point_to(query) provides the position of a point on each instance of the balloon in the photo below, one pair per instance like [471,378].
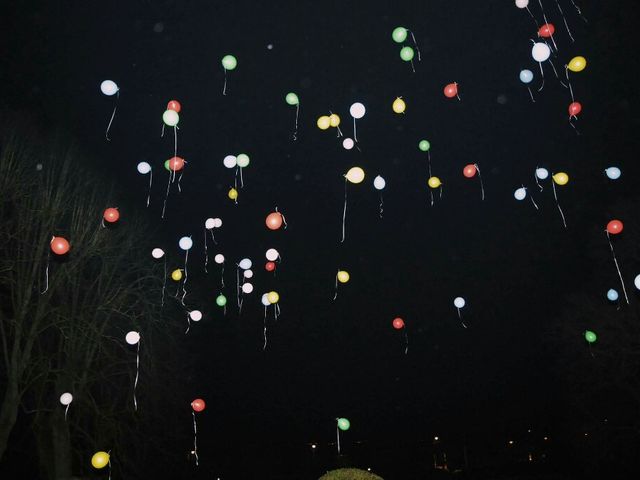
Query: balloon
[209,223]
[272,254]
[542,173]
[357,110]
[561,178]
[292,99]
[612,295]
[274,221]
[185,243]
[66,398]
[273,297]
[399,34]
[614,227]
[219,259]
[195,315]
[379,183]
[577,64]
[174,105]
[170,118]
[245,264]
[451,90]
[334,120]
[198,405]
[590,336]
[176,163]
[398,323]
[424,145]
[265,300]
[157,253]
[59,245]
[459,302]
[520,193]
[398,105]
[111,215]
[248,273]
[229,62]
[355,175]
[434,182]
[540,52]
[636,282]
[270,266]
[469,171]
[144,168]
[343,276]
[522,3]
[230,161]
[243,160]
[574,108]
[344,424]
[166,165]
[132,338]
[109,87]
[613,173]
[221,300]
[232,194]
[217,222]
[526,76]
[547,30]
[324,122]
[176,275]
[247,288]
[406,53]
[100,460]
[348,143]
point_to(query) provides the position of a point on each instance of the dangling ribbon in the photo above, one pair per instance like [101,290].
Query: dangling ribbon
[106,133]
[166,197]
[164,283]
[564,222]
[186,274]
[531,94]
[284,220]
[406,342]
[238,289]
[535,175]
[546,23]
[381,206]
[295,132]
[579,11]
[355,137]
[224,87]
[532,17]
[241,180]
[206,253]
[615,261]
[429,166]
[264,331]
[150,182]
[480,177]
[135,383]
[344,211]
[335,295]
[460,317]
[188,323]
[415,44]
[276,311]
[46,275]
[566,25]
[195,438]
[338,436]
[109,462]
[66,410]
[222,276]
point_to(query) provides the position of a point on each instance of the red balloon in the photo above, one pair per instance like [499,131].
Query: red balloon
[198,405]
[174,105]
[59,245]
[176,163]
[546,30]
[469,171]
[111,215]
[274,220]
[614,227]
[270,266]
[398,323]
[451,90]
[574,109]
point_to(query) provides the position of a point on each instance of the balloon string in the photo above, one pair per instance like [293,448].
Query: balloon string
[188,323]
[106,133]
[579,11]
[615,261]
[338,436]
[572,125]
[224,88]
[441,189]
[175,140]
[162,133]
[186,276]
[222,277]
[413,69]
[164,283]
[135,383]
[534,202]
[542,74]
[566,72]
[566,25]
[460,317]
[406,342]
[556,73]
[339,132]
[480,177]
[295,132]
[241,180]
[66,410]
[206,252]
[564,222]
[335,295]
[213,238]
[415,44]
[277,310]
[547,22]
[102,223]
[150,183]
[531,95]
[46,276]
[109,466]
[591,351]
[429,162]
[431,194]
[238,287]
[355,137]
[344,210]
[535,175]
[179,179]
[264,331]
[532,17]
[166,197]
[195,438]
[381,208]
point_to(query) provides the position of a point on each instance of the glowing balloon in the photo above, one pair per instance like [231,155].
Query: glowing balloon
[59,245]
[398,105]
[357,110]
[144,168]
[590,336]
[379,183]
[577,64]
[348,143]
[540,52]
[229,62]
[459,302]
[273,297]
[111,215]
[265,300]
[176,275]
[170,118]
[434,182]
[185,243]
[272,254]
[174,105]
[399,34]
[232,194]
[198,405]
[243,160]
[209,223]
[398,323]
[334,120]
[561,178]
[355,175]
[574,108]
[109,87]
[274,221]
[219,259]
[247,273]
[221,300]
[526,76]
[245,264]
[542,173]
[157,253]
[343,276]
[469,171]
[176,164]
[195,315]
[522,3]
[520,193]
[406,53]
[230,161]
[614,227]
[132,338]
[100,460]
[292,99]
[612,295]
[324,122]
[613,173]
[247,288]
[344,424]
[547,30]
[217,222]
[424,145]
[451,90]
[636,282]
[270,266]
[66,398]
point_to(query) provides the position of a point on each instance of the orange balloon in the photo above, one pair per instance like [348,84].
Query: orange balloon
[174,105]
[469,171]
[451,90]
[274,220]
[111,215]
[176,163]
[59,245]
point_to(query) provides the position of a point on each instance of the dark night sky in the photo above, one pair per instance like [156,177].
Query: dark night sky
[513,264]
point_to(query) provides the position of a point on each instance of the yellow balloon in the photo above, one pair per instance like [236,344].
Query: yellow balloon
[176,275]
[334,120]
[434,182]
[561,178]
[577,64]
[343,276]
[273,297]
[355,175]
[398,105]
[100,459]
[233,194]
[324,122]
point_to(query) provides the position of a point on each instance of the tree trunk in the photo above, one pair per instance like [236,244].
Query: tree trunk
[54,447]
[8,412]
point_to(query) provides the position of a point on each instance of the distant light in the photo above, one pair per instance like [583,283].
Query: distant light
[546,438]
[530,458]
[193,452]
[586,434]
[529,431]
[314,446]
[511,442]
[369,469]
[39,167]
[436,439]
[270,46]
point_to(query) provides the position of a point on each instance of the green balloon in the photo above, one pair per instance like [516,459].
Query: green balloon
[229,62]
[399,34]
[424,145]
[344,424]
[221,300]
[242,160]
[166,164]
[590,336]
[406,54]
[292,99]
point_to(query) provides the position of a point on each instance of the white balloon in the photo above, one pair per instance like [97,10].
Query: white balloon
[542,173]
[636,282]
[272,254]
[348,143]
[185,243]
[459,302]
[219,259]
[157,253]
[357,110]
[613,173]
[526,76]
[217,223]
[230,161]
[242,160]
[209,223]
[248,273]
[540,52]
[265,300]
[195,315]
[132,338]
[144,168]
[247,288]
[109,87]
[245,264]
[170,118]
[522,3]
[66,398]
[379,183]
[520,194]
